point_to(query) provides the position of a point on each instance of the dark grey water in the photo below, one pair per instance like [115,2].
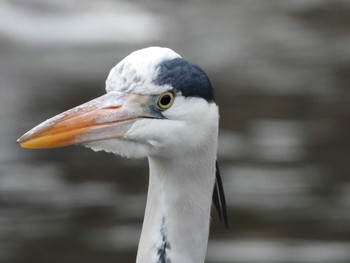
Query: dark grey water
[281,74]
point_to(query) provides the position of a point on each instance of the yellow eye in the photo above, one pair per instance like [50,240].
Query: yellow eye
[165,100]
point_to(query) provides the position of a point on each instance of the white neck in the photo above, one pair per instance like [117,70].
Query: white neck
[176,223]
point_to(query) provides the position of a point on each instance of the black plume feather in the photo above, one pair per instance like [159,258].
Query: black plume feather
[219,197]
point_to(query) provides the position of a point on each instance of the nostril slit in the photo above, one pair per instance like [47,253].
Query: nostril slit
[111,107]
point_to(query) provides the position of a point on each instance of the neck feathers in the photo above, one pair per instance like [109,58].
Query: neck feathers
[176,223]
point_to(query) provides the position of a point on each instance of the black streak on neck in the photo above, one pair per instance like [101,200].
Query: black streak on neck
[165,245]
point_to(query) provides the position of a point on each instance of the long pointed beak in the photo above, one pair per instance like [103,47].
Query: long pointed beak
[106,117]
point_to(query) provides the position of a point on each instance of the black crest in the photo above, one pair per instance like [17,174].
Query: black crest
[185,77]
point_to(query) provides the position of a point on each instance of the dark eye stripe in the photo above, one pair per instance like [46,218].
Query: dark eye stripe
[185,77]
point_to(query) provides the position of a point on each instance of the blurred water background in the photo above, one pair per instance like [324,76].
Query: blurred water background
[281,72]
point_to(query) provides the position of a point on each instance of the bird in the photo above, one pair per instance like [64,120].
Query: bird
[161,107]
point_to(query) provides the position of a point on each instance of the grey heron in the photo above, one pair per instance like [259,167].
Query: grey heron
[162,107]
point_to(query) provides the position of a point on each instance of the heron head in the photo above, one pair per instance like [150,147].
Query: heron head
[156,104]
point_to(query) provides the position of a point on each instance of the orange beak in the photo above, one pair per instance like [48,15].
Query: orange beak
[106,117]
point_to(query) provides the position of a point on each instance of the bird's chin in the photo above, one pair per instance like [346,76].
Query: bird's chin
[128,149]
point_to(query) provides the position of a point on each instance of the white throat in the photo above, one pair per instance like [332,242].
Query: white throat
[177,216]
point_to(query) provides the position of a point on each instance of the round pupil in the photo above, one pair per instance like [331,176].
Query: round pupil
[165,100]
